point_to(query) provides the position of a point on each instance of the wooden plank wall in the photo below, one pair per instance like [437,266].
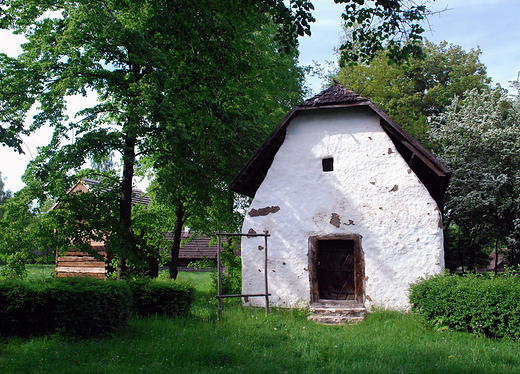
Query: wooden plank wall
[79,264]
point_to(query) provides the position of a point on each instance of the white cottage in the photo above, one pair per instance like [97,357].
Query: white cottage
[351,202]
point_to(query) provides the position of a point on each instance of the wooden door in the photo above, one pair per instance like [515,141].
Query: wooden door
[336,270]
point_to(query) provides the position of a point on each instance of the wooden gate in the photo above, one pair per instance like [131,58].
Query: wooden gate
[336,268]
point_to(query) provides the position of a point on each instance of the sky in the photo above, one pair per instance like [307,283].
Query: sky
[491,25]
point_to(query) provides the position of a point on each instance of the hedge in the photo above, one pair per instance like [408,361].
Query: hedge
[83,307]
[161,297]
[473,303]
[74,307]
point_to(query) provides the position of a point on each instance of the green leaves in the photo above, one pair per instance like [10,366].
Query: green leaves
[478,139]
[476,304]
[379,24]
[423,87]
[18,234]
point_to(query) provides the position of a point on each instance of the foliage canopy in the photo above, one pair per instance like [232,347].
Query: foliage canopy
[413,92]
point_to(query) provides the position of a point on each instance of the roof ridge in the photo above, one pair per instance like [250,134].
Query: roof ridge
[335,94]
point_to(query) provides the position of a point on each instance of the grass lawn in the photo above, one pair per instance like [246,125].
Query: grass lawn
[40,271]
[247,341]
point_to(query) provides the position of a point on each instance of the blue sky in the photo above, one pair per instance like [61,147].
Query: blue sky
[491,24]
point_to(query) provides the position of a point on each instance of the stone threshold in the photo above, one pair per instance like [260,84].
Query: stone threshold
[332,312]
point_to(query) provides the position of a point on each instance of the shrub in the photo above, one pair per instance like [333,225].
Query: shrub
[24,308]
[473,303]
[86,307]
[161,297]
[74,307]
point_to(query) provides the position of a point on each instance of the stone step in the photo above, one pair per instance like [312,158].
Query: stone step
[336,314]
[334,320]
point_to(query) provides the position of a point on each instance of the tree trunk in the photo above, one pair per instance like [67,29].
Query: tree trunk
[496,256]
[153,267]
[125,204]
[176,245]
[471,255]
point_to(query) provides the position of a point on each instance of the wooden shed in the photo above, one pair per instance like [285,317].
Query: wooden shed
[76,263]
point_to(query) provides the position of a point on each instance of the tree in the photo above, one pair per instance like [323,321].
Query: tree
[150,64]
[413,92]
[191,177]
[18,234]
[392,26]
[479,140]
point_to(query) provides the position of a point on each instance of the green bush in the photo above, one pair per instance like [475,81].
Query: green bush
[161,297]
[74,307]
[473,303]
[86,307]
[24,308]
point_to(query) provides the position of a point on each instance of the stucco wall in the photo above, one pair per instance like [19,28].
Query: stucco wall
[371,192]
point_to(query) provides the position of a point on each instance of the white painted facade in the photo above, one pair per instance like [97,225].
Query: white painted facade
[371,192]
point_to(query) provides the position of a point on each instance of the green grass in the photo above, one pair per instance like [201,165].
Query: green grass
[244,340]
[40,271]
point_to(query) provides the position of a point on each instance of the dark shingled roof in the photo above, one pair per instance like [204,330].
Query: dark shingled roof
[432,173]
[335,94]
[197,247]
[138,196]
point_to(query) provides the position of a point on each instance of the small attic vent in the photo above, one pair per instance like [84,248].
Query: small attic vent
[327,164]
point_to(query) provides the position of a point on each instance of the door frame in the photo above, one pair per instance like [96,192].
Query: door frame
[359,265]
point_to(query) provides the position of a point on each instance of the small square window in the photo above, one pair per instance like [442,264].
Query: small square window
[327,164]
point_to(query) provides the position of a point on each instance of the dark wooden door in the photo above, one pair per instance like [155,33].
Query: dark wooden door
[336,270]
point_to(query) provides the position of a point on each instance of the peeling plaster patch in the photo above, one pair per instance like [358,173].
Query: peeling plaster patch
[319,217]
[350,222]
[251,232]
[263,211]
[374,183]
[370,137]
[390,151]
[409,171]
[335,220]
[394,188]
[260,248]
[368,298]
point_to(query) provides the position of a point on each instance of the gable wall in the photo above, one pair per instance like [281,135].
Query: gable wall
[371,192]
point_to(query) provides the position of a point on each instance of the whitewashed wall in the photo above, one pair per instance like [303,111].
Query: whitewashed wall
[372,190]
